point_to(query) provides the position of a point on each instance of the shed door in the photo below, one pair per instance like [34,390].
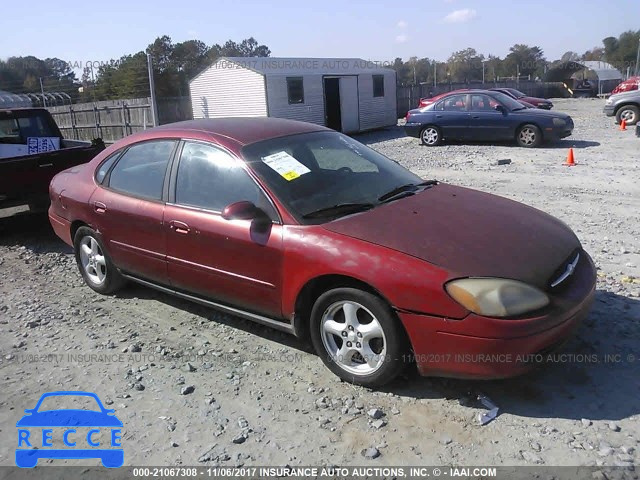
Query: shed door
[349,104]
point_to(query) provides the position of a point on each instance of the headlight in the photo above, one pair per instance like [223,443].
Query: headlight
[608,102]
[496,297]
[559,122]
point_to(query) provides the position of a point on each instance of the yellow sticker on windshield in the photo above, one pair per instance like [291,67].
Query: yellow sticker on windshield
[287,166]
[290,175]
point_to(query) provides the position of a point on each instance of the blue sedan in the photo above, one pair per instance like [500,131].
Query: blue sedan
[485,115]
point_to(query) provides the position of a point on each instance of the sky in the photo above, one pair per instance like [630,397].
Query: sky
[374,30]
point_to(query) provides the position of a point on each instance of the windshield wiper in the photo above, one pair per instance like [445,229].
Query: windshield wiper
[405,190]
[339,209]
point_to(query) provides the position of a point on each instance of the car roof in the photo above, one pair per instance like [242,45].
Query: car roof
[241,130]
[469,91]
[22,110]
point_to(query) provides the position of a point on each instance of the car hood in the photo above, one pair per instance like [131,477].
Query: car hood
[69,418]
[539,112]
[535,100]
[628,95]
[468,232]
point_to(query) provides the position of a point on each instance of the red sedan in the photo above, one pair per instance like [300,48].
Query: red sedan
[426,101]
[304,229]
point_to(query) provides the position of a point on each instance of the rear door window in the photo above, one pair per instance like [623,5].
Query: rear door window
[141,170]
[454,103]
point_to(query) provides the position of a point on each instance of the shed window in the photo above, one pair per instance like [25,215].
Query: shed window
[295,90]
[378,85]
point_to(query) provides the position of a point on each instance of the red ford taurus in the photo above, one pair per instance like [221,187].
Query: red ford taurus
[306,230]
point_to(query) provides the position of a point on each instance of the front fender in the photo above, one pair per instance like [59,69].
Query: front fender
[407,283]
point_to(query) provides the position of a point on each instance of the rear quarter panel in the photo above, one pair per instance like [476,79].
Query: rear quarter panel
[69,193]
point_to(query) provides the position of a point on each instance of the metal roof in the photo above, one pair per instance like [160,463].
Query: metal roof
[565,70]
[603,70]
[12,100]
[302,66]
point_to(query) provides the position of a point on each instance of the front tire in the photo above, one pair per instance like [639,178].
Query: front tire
[431,136]
[629,113]
[529,136]
[358,337]
[96,267]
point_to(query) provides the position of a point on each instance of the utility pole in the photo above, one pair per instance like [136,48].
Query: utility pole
[44,100]
[93,84]
[435,73]
[152,88]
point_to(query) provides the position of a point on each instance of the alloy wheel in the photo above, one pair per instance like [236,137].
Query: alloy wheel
[527,136]
[628,116]
[92,260]
[430,136]
[353,337]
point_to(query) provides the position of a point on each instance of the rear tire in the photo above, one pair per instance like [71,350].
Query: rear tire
[629,113]
[431,136]
[358,337]
[529,136]
[94,263]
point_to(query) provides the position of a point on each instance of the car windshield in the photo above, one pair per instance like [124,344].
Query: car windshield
[323,175]
[507,101]
[516,93]
[69,402]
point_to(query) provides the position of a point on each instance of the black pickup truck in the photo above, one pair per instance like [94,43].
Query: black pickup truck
[32,151]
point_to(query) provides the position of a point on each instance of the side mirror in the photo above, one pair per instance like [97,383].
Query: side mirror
[500,108]
[243,210]
[29,410]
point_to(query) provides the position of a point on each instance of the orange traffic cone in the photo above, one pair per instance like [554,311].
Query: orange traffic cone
[570,160]
[623,124]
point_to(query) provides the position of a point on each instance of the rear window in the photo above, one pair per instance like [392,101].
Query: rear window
[18,129]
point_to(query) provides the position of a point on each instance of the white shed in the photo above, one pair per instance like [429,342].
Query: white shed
[346,94]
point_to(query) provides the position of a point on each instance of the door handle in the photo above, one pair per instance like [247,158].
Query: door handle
[179,227]
[475,117]
[99,207]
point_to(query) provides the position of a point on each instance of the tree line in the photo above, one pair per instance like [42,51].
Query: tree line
[174,64]
[468,66]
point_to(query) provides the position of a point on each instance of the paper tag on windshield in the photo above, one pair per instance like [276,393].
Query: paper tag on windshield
[287,166]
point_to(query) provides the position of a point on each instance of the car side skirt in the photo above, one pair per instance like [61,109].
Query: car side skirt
[254,317]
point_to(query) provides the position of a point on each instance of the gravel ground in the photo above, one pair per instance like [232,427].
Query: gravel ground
[260,397]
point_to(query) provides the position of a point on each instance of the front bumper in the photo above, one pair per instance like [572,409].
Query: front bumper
[488,348]
[609,110]
[564,133]
[557,133]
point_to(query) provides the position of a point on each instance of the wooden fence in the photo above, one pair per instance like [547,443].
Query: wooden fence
[112,120]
